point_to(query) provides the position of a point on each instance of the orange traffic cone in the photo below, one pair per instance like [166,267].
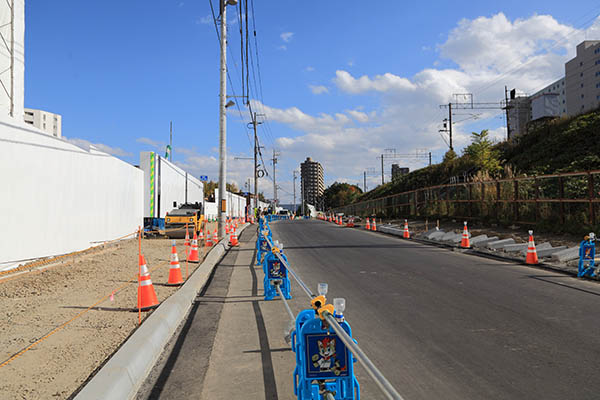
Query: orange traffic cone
[532,257]
[175,270]
[227,228]
[215,237]
[374,226]
[233,239]
[146,294]
[464,243]
[187,241]
[406,233]
[193,256]
[208,242]
[368,226]
[201,237]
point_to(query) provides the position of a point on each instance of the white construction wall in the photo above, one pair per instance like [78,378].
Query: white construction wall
[166,186]
[236,205]
[12,67]
[58,198]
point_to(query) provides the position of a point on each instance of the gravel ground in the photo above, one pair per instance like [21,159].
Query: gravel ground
[34,304]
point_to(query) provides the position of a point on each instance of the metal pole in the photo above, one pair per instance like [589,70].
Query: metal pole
[450,124]
[365,181]
[377,376]
[295,177]
[222,122]
[255,163]
[274,181]
[285,303]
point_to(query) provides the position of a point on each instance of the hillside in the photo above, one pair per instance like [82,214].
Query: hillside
[559,145]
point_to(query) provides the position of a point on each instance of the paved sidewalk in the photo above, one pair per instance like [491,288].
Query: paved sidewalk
[250,358]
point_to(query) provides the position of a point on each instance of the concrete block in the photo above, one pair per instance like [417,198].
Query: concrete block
[571,253]
[447,236]
[477,239]
[548,252]
[484,242]
[458,238]
[498,244]
[517,247]
[435,234]
[538,247]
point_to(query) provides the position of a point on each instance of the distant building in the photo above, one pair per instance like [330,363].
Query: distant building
[551,101]
[519,113]
[397,172]
[311,180]
[582,75]
[46,121]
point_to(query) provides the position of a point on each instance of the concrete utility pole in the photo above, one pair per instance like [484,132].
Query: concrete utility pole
[365,181]
[254,124]
[507,107]
[222,206]
[275,154]
[295,177]
[382,182]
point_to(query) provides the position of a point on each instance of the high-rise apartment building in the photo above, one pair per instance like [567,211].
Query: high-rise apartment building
[48,122]
[312,183]
[582,75]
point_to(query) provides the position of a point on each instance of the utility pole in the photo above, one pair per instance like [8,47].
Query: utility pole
[171,141]
[365,181]
[382,182]
[430,159]
[507,107]
[274,159]
[222,206]
[295,177]
[450,124]
[302,193]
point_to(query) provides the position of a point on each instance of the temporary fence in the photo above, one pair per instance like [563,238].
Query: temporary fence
[329,372]
[565,198]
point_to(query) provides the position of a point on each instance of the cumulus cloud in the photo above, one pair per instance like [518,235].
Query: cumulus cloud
[286,36]
[86,144]
[320,89]
[481,55]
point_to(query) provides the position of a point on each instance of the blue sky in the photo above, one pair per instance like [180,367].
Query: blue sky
[342,81]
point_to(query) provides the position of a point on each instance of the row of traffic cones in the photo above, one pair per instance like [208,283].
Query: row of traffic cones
[371,226]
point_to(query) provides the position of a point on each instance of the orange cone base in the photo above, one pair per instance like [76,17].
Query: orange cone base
[175,278]
[193,257]
[532,259]
[148,297]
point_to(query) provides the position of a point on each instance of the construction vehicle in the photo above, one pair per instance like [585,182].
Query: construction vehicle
[176,220]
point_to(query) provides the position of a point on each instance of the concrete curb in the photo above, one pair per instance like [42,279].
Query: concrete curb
[124,373]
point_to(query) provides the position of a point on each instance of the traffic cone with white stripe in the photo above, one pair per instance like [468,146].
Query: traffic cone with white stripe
[464,243]
[368,225]
[215,237]
[208,242]
[227,228]
[233,239]
[175,277]
[187,241]
[532,257]
[193,256]
[406,232]
[146,295]
[374,225]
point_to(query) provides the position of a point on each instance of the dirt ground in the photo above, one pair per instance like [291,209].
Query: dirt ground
[34,304]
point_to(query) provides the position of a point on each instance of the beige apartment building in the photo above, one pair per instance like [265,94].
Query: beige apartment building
[48,122]
[582,75]
[312,183]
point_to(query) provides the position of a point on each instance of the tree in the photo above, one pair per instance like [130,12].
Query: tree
[482,153]
[341,194]
[209,189]
[232,188]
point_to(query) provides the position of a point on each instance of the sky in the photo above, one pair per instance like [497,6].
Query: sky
[339,81]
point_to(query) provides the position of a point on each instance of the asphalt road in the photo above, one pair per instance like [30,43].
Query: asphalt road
[447,325]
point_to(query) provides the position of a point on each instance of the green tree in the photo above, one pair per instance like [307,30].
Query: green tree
[482,154]
[341,194]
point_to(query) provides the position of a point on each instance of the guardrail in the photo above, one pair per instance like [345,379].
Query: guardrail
[572,197]
[332,317]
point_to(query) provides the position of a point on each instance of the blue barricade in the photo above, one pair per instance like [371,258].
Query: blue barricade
[587,253]
[275,274]
[323,362]
[262,246]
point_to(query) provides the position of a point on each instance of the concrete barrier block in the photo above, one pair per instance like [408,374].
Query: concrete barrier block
[517,247]
[548,252]
[538,247]
[435,235]
[447,236]
[458,237]
[498,244]
[478,239]
[568,254]
[484,242]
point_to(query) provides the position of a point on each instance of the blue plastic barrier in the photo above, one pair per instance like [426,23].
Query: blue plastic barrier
[323,362]
[587,253]
[262,246]
[275,274]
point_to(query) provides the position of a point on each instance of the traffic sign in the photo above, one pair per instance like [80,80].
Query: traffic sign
[203,178]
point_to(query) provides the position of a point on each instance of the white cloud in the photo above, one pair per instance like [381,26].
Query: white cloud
[286,36]
[481,56]
[309,69]
[282,47]
[151,142]
[320,89]
[205,20]
[85,144]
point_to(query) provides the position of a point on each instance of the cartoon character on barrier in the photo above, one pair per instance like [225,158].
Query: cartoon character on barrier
[326,359]
[276,271]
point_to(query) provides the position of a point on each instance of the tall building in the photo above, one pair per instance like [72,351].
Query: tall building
[582,75]
[398,171]
[312,183]
[46,121]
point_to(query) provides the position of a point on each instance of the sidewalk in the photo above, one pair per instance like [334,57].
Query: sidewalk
[250,358]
